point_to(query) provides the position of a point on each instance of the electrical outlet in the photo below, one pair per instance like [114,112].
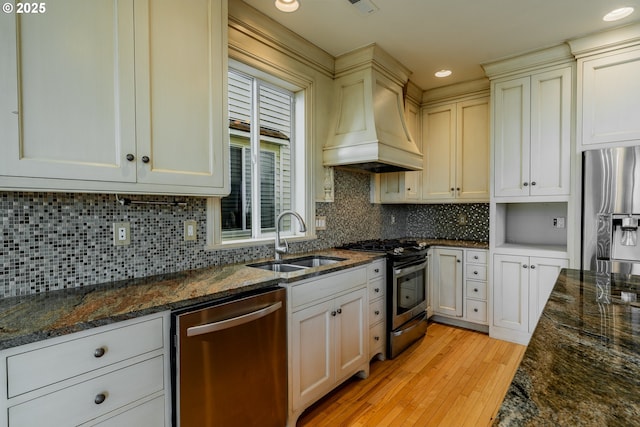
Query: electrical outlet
[121,233]
[559,222]
[321,223]
[190,230]
[463,219]
[393,219]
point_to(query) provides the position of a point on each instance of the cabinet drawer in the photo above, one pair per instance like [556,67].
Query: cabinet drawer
[77,404]
[476,272]
[327,286]
[71,358]
[376,269]
[150,413]
[477,257]
[476,311]
[476,290]
[376,311]
[376,338]
[377,288]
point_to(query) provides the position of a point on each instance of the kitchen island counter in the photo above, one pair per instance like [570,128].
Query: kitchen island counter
[32,318]
[582,365]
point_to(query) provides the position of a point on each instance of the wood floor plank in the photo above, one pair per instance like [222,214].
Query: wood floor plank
[451,377]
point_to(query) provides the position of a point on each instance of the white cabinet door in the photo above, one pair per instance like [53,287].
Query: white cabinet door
[472,150]
[351,332]
[511,292]
[532,135]
[447,282]
[608,112]
[312,353]
[439,150]
[69,113]
[550,133]
[543,273]
[180,91]
[512,137]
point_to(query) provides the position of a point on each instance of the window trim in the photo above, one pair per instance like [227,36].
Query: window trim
[302,157]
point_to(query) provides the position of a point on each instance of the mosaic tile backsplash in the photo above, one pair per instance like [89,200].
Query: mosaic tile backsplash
[53,241]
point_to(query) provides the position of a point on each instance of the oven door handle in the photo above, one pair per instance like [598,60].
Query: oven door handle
[408,270]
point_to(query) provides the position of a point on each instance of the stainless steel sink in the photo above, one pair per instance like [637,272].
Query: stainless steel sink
[313,261]
[296,264]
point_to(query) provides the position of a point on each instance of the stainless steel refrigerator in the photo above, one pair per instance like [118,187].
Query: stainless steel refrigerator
[611,210]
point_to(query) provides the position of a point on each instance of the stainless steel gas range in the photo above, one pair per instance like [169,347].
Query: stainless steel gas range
[407,274]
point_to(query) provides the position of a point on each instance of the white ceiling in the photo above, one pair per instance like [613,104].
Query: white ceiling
[429,35]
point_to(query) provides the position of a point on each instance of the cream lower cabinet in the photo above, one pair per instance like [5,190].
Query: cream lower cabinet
[102,96]
[107,376]
[459,287]
[446,282]
[377,279]
[521,288]
[328,335]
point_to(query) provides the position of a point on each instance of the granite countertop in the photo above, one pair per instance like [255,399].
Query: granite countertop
[37,317]
[468,244]
[582,365]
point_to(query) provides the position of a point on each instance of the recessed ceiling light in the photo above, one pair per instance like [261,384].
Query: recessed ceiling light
[287,5]
[443,73]
[614,15]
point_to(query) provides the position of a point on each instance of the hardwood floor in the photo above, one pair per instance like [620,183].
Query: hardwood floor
[453,377]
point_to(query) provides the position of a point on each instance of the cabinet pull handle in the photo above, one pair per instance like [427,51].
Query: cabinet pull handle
[475,257]
[100,398]
[457,260]
[526,184]
[475,309]
[377,270]
[376,290]
[475,272]
[533,183]
[524,265]
[130,157]
[475,289]
[339,310]
[99,352]
[533,267]
[145,159]
[377,312]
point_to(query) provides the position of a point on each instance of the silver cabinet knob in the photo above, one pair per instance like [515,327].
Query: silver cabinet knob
[376,290]
[376,338]
[475,309]
[533,267]
[533,183]
[377,270]
[377,312]
[130,157]
[524,266]
[145,159]
[99,352]
[526,184]
[339,311]
[100,398]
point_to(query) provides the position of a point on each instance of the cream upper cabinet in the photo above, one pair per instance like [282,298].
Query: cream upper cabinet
[398,187]
[607,114]
[456,151]
[532,134]
[102,96]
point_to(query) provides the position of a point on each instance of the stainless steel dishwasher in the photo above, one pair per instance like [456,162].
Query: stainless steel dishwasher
[230,362]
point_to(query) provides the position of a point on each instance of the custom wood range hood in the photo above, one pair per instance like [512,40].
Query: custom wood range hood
[368,130]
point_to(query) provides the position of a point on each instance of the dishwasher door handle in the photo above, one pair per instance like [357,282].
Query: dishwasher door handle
[234,321]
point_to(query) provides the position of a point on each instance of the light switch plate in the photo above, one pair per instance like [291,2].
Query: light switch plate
[321,223]
[190,230]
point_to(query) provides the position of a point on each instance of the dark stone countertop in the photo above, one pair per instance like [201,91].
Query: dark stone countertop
[467,244]
[582,365]
[32,318]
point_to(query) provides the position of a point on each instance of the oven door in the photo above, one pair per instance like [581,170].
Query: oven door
[409,292]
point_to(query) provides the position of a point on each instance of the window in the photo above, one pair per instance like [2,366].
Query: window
[262,159]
